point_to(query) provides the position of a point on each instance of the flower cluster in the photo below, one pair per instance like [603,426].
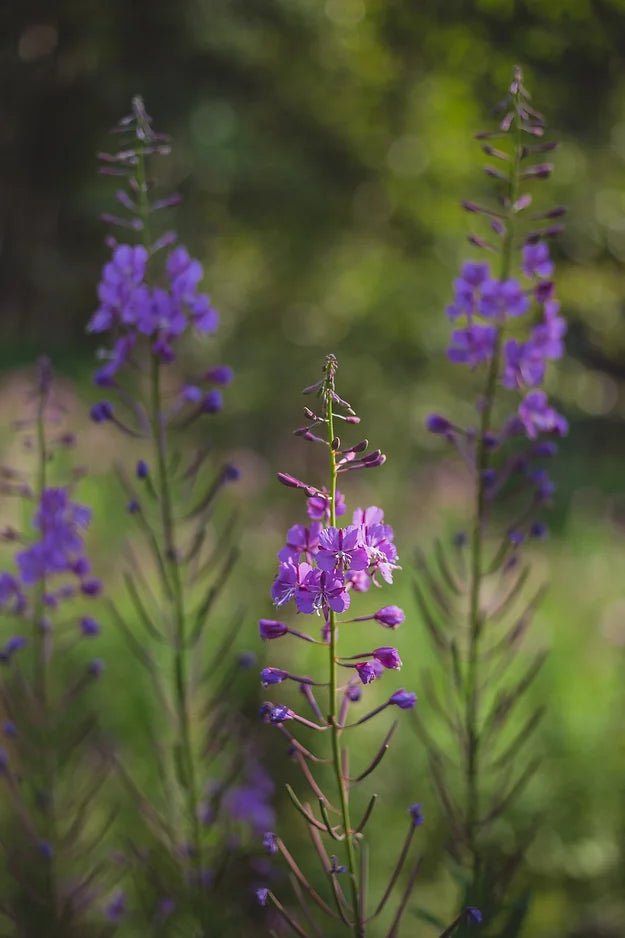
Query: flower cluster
[507,323]
[488,308]
[162,313]
[215,796]
[150,292]
[49,757]
[321,566]
[59,547]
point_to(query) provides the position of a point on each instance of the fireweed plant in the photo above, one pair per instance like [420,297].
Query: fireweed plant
[215,795]
[506,328]
[51,769]
[320,567]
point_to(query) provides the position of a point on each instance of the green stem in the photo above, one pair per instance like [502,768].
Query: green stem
[175,594]
[173,585]
[477,538]
[341,781]
[40,651]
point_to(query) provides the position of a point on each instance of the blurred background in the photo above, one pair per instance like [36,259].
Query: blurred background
[322,148]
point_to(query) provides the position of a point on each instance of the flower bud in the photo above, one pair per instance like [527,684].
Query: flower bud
[403,699]
[272,676]
[271,628]
[390,616]
[388,657]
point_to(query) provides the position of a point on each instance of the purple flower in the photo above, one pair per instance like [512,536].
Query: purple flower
[205,317]
[250,803]
[388,657]
[416,813]
[12,599]
[212,402]
[390,616]
[543,485]
[219,374]
[359,580]
[368,516]
[472,345]
[101,411]
[270,842]
[473,915]
[340,550]
[290,576]
[501,298]
[271,628]
[472,276]
[185,274]
[536,261]
[524,365]
[403,699]
[232,473]
[437,424]
[116,909]
[300,540]
[115,359]
[369,671]
[272,676]
[60,522]
[120,279]
[318,506]
[89,626]
[262,896]
[336,868]
[547,337]
[382,553]
[13,644]
[92,587]
[142,469]
[191,393]
[279,714]
[321,591]
[538,417]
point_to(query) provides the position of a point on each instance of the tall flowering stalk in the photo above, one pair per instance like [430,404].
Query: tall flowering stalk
[50,768]
[507,327]
[150,303]
[322,568]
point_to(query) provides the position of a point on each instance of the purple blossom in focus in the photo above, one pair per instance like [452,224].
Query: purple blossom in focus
[321,591]
[340,550]
[388,657]
[271,628]
[300,540]
[369,671]
[318,506]
[390,616]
